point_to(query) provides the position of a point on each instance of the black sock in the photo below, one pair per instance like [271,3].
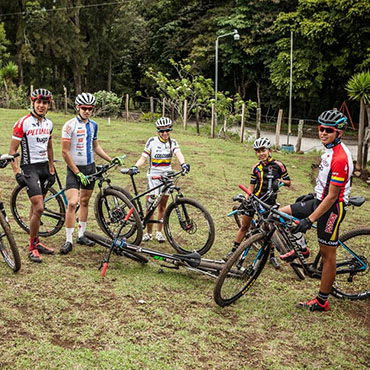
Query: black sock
[235,247]
[322,297]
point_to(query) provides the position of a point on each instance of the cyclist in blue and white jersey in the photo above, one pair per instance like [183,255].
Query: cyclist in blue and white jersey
[159,150]
[79,143]
[33,133]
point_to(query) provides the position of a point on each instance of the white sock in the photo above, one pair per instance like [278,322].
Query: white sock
[81,228]
[69,234]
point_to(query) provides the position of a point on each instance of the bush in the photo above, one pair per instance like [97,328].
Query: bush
[14,97]
[147,117]
[107,103]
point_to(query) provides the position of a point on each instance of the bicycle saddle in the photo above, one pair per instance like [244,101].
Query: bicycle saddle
[240,198]
[193,259]
[356,201]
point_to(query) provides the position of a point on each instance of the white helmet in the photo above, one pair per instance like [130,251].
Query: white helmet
[163,122]
[85,99]
[262,142]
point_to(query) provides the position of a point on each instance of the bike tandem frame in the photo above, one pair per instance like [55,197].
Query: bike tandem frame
[310,269]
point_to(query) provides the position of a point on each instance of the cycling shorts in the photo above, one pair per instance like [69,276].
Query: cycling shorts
[73,183]
[37,177]
[155,182]
[328,224]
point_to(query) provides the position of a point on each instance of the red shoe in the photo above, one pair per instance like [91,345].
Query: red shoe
[44,249]
[34,256]
[314,305]
[291,255]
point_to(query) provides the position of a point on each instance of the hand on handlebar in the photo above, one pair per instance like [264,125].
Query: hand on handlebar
[3,163]
[185,168]
[303,225]
[118,160]
[84,180]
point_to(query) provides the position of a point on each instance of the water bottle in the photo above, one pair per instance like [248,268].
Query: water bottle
[150,201]
[300,240]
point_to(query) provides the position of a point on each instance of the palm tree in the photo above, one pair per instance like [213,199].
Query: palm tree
[358,88]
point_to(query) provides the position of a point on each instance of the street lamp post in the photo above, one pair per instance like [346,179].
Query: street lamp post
[236,38]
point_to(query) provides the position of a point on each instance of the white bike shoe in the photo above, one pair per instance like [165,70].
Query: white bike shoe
[147,237]
[159,236]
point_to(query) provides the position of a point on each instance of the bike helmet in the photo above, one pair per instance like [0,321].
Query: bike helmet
[262,142]
[333,118]
[85,99]
[163,122]
[41,94]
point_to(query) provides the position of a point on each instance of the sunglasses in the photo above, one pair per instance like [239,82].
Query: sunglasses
[89,109]
[328,130]
[165,130]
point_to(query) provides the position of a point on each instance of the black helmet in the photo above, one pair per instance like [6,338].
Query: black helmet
[41,94]
[333,118]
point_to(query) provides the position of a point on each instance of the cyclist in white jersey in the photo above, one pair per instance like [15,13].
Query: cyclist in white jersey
[327,205]
[79,142]
[159,150]
[33,133]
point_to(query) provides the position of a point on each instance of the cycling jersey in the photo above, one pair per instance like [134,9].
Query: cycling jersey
[81,135]
[336,168]
[264,174]
[34,137]
[160,154]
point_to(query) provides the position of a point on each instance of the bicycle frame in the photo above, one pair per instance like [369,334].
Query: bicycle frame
[283,224]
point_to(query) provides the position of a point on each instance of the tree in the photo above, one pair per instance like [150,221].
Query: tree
[358,88]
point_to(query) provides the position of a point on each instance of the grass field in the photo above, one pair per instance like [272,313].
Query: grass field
[62,314]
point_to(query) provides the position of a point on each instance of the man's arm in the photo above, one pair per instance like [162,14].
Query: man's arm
[66,154]
[14,145]
[100,152]
[51,156]
[326,204]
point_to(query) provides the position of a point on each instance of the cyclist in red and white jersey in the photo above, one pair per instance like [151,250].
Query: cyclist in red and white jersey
[327,206]
[33,133]
[159,150]
[79,143]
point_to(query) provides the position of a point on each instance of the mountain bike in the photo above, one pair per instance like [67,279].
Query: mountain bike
[188,226]
[277,239]
[108,201]
[352,275]
[119,246]
[8,246]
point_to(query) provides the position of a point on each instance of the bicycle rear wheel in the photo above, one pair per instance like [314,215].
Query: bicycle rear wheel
[189,226]
[111,207]
[352,280]
[249,260]
[52,218]
[8,247]
[105,242]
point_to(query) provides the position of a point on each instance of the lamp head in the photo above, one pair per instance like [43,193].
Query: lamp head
[236,35]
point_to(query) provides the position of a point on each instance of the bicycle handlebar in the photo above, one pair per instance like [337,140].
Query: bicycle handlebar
[8,157]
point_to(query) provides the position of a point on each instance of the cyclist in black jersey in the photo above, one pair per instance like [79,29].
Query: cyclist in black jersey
[264,174]
[33,133]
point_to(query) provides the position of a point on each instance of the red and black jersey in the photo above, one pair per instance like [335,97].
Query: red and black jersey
[34,136]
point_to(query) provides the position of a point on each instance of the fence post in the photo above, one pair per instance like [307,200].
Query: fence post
[152,108]
[299,138]
[258,125]
[127,103]
[185,113]
[197,119]
[242,124]
[164,107]
[65,100]
[278,128]
[213,121]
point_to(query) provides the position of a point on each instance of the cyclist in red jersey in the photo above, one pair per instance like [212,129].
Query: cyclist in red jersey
[327,206]
[33,133]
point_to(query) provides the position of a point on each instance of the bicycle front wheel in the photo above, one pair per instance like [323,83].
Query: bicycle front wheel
[352,280]
[241,270]
[8,247]
[111,208]
[189,226]
[52,218]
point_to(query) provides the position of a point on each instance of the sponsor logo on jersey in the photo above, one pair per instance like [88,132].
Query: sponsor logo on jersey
[80,131]
[67,129]
[42,140]
[81,140]
[79,154]
[38,131]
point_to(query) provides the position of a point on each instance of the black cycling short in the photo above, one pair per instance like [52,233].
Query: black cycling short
[73,183]
[37,178]
[328,224]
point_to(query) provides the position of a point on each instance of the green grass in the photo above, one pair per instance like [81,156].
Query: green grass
[62,314]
